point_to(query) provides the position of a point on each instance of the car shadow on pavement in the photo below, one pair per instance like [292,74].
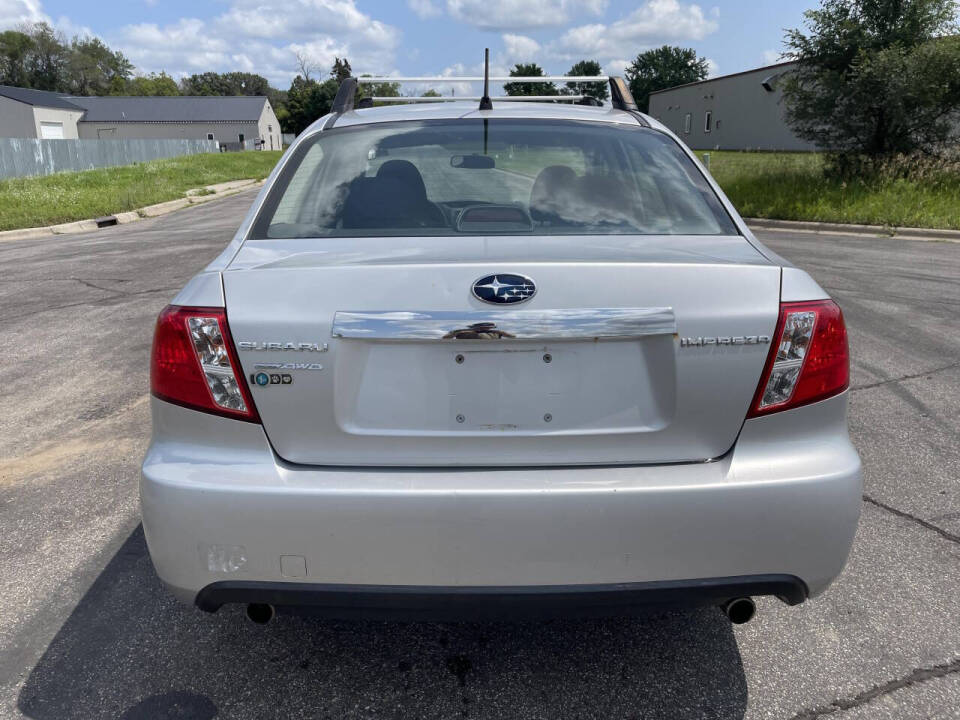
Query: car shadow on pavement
[130,651]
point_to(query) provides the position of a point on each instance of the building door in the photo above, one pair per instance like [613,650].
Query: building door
[51,130]
[240,138]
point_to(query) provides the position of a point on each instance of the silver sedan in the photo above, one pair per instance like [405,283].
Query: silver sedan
[526,360]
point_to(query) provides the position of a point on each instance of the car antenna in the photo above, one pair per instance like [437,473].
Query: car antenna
[485,103]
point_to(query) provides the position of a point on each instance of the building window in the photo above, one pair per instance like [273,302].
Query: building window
[210,136]
[687,122]
[708,122]
[269,128]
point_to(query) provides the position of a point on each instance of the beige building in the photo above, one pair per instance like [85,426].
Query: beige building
[743,111]
[228,120]
[37,114]
[231,121]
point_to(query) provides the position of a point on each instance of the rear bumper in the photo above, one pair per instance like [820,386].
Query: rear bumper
[226,521]
[445,603]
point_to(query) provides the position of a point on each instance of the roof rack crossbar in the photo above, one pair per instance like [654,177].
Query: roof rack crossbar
[449,79]
[503,98]
[620,97]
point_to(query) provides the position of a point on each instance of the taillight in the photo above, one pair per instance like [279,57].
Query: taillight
[194,364]
[808,361]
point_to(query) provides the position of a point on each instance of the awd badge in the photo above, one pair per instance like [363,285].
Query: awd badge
[262,379]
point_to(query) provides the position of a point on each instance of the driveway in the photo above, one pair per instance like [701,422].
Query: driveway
[87,631]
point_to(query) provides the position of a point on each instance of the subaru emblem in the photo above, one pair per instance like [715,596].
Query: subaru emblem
[504,288]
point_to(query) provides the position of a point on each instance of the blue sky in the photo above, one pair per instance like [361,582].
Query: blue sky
[415,37]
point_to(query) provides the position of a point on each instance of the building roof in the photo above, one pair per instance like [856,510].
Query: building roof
[40,98]
[171,109]
[724,77]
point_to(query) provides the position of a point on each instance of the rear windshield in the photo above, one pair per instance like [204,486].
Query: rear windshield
[494,176]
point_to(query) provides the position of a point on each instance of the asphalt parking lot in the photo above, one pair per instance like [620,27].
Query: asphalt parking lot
[86,630]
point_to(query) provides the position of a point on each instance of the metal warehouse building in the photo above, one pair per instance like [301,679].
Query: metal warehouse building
[743,111]
[225,119]
[37,114]
[229,120]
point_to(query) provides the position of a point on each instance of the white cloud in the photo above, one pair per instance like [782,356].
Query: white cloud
[713,69]
[616,67]
[456,70]
[263,36]
[771,57]
[654,22]
[17,12]
[424,8]
[260,36]
[520,48]
[71,29]
[521,14]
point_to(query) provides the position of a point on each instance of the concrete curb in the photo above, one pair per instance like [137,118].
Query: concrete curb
[210,193]
[904,233]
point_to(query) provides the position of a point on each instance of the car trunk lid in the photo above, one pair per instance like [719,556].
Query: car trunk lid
[387,359]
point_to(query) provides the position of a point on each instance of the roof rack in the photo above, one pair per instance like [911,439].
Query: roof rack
[620,97]
[448,98]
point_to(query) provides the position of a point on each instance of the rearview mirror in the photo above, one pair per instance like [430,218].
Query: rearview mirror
[472,162]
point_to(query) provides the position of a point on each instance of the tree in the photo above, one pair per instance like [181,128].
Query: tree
[341,70]
[153,85]
[47,63]
[533,88]
[382,89]
[208,83]
[94,69]
[305,64]
[232,83]
[592,89]
[875,77]
[662,68]
[307,101]
[15,51]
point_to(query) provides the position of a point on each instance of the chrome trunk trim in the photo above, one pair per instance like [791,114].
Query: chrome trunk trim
[574,324]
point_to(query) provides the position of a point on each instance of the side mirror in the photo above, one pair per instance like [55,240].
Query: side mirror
[472,162]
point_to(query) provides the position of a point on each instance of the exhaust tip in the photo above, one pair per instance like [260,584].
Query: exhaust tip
[260,613]
[739,610]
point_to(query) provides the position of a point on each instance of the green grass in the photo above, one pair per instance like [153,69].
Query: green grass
[64,197]
[792,186]
[784,186]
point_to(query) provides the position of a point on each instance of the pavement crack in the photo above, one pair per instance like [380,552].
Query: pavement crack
[904,377]
[100,287]
[946,534]
[915,677]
